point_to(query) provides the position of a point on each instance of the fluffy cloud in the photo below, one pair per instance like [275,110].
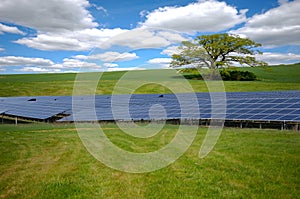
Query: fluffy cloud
[10,29]
[125,69]
[70,40]
[48,16]
[88,39]
[170,51]
[202,16]
[279,58]
[38,70]
[2,49]
[277,27]
[75,64]
[143,38]
[24,61]
[109,56]
[114,56]
[32,64]
[68,25]
[161,62]
[138,38]
[110,65]
[280,2]
[60,24]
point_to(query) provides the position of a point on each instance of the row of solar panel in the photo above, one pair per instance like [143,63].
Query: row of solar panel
[277,106]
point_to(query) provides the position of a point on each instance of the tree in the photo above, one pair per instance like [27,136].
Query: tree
[217,50]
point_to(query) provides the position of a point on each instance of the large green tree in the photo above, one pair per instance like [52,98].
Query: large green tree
[217,50]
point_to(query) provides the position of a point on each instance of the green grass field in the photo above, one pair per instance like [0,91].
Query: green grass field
[271,78]
[46,161]
[50,161]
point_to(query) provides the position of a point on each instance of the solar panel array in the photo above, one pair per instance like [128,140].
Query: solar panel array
[40,108]
[254,106]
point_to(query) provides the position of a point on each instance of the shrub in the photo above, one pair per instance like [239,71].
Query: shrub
[226,74]
[236,75]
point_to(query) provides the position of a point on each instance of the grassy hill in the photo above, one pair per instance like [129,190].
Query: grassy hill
[283,77]
[280,73]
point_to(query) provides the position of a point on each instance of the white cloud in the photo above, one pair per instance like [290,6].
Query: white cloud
[171,50]
[70,40]
[60,24]
[138,38]
[74,63]
[277,27]
[172,37]
[279,58]
[38,70]
[113,56]
[143,38]
[110,65]
[68,25]
[48,16]
[2,49]
[32,64]
[24,61]
[125,69]
[88,39]
[82,57]
[160,62]
[280,2]
[10,29]
[202,16]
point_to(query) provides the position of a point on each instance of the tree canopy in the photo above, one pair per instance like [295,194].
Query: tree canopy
[217,50]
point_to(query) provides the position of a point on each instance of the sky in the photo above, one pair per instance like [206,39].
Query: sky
[57,36]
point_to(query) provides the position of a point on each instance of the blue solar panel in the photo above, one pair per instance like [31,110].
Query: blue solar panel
[296,112]
[257,117]
[254,105]
[284,105]
[294,106]
[293,101]
[268,106]
[288,117]
[254,111]
[276,101]
[274,117]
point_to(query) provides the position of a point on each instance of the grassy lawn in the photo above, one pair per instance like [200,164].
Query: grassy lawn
[271,78]
[49,161]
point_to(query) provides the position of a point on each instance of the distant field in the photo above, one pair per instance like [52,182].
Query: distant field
[282,73]
[49,161]
[270,78]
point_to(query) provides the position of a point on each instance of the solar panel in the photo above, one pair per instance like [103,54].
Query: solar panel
[267,106]
[288,118]
[296,112]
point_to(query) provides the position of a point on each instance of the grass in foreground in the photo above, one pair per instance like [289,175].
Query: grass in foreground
[49,161]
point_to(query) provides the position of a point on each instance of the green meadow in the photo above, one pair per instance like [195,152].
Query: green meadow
[284,77]
[42,160]
[49,161]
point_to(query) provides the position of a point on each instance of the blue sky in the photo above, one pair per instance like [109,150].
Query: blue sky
[91,35]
